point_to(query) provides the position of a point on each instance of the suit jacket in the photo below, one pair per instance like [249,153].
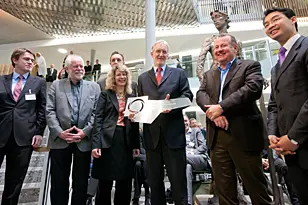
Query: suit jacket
[25,118]
[59,112]
[242,87]
[169,126]
[288,105]
[105,123]
[198,139]
[102,85]
[50,77]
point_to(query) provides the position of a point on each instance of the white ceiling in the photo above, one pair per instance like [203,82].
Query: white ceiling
[14,30]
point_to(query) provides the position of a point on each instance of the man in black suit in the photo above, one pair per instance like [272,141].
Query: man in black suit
[288,104]
[22,121]
[235,130]
[164,139]
[51,73]
[115,59]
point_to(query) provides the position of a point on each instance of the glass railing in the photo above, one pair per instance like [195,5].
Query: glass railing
[237,10]
[247,10]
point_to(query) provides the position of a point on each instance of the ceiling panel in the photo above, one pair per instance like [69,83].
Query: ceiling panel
[76,18]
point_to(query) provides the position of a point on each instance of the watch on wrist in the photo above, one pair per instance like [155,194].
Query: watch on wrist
[293,141]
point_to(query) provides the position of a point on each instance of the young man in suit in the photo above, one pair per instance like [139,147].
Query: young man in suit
[164,139]
[235,128]
[115,59]
[22,121]
[70,111]
[288,104]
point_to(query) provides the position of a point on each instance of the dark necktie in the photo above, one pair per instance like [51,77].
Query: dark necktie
[18,88]
[158,76]
[282,54]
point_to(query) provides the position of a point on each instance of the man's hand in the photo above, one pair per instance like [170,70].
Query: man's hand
[80,132]
[221,122]
[273,139]
[136,152]
[213,111]
[286,145]
[96,153]
[36,141]
[265,164]
[73,138]
[64,135]
[167,98]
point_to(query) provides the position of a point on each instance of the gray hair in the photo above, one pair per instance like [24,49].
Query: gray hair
[70,58]
[163,42]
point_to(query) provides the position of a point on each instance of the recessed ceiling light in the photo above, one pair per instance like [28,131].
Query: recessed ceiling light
[62,50]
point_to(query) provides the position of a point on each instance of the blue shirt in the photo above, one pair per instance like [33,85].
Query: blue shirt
[223,75]
[162,71]
[15,79]
[76,92]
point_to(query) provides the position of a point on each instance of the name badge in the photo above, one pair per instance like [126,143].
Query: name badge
[30,97]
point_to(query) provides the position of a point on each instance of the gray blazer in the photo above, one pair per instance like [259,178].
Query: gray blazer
[198,139]
[59,109]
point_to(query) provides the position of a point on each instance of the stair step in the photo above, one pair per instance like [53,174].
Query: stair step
[37,160]
[29,193]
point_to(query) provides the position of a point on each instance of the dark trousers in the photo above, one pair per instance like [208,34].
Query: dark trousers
[175,161]
[226,159]
[61,160]
[282,171]
[299,178]
[141,178]
[17,163]
[122,195]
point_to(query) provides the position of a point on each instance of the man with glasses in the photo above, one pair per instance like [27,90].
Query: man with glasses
[288,105]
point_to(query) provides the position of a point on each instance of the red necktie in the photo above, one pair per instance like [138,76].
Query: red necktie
[158,76]
[18,88]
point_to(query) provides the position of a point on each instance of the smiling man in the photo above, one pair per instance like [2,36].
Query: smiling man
[235,131]
[164,139]
[288,104]
[22,121]
[70,111]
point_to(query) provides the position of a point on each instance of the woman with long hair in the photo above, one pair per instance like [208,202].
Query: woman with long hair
[115,139]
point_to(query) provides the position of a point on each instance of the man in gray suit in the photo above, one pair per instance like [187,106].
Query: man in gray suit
[70,111]
[196,154]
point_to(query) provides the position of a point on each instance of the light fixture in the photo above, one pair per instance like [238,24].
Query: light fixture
[62,50]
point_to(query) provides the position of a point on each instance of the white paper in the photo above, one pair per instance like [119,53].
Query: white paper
[146,111]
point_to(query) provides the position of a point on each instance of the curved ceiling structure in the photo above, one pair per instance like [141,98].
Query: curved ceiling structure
[76,18]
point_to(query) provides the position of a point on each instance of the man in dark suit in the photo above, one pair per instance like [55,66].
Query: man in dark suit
[51,73]
[235,129]
[164,139]
[115,59]
[288,104]
[22,121]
